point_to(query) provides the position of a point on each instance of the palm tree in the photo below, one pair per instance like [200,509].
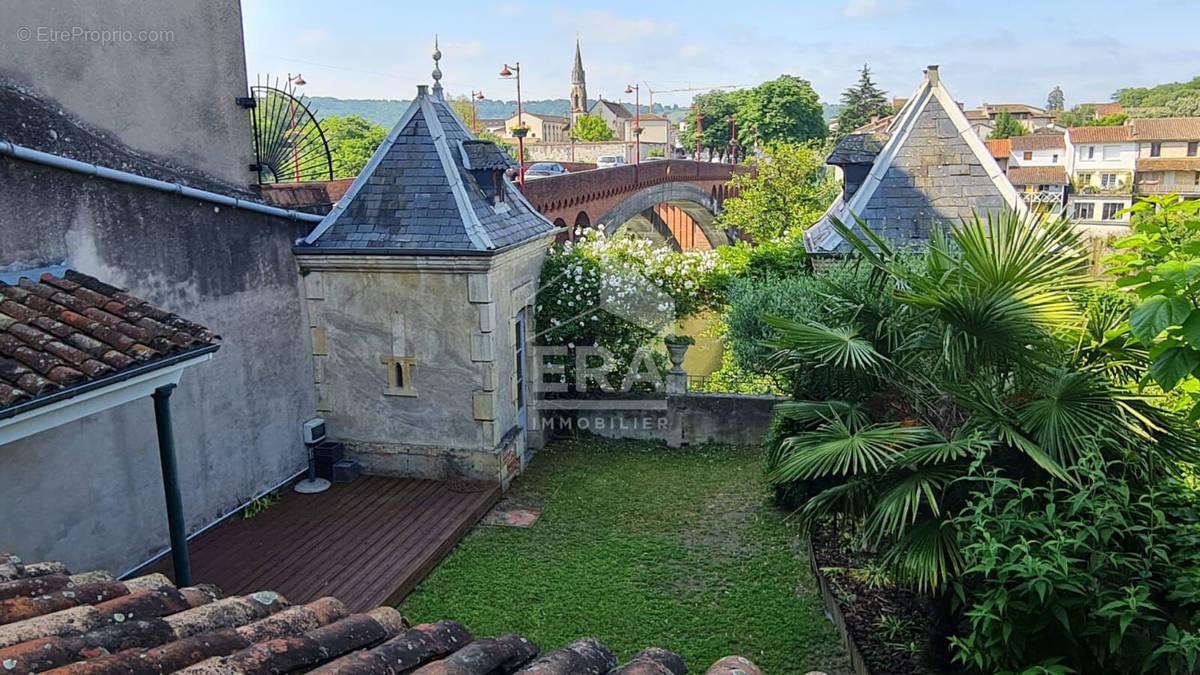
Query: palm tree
[984,357]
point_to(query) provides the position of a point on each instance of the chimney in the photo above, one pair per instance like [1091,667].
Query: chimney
[931,72]
[422,90]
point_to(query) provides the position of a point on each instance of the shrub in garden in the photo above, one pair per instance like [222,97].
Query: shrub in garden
[983,373]
[618,294]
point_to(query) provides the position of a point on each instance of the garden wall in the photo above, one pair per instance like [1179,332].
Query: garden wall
[678,419]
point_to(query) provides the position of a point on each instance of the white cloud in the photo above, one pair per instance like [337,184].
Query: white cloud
[864,9]
[507,8]
[312,36]
[691,50]
[604,27]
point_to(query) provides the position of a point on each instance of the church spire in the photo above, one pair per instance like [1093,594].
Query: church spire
[578,86]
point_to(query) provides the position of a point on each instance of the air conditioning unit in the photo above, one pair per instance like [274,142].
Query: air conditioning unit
[314,431]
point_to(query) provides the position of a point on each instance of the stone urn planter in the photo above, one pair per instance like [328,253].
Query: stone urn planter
[677,346]
[677,351]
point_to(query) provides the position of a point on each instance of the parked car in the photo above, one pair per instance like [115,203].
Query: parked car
[543,169]
[605,161]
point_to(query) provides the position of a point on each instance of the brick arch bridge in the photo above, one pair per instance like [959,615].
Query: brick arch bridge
[673,202]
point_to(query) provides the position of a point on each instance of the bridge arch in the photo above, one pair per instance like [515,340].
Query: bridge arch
[697,202]
[559,222]
[582,221]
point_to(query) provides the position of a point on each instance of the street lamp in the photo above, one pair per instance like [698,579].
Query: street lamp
[636,90]
[475,96]
[294,82]
[514,72]
[732,139]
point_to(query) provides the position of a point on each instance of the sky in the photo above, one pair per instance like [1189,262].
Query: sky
[990,52]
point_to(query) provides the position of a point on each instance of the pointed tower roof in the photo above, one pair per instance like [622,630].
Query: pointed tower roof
[577,70]
[933,168]
[429,189]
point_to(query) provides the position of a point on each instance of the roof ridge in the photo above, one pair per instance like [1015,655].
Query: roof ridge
[474,228]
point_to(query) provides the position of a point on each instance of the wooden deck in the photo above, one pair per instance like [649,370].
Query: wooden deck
[367,542]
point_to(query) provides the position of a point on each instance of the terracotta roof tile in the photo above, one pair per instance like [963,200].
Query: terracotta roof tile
[93,624]
[1168,164]
[1166,128]
[1037,142]
[1117,134]
[1037,175]
[1000,148]
[61,332]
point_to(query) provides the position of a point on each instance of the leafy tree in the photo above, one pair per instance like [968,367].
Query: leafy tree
[1160,262]
[1006,126]
[1056,100]
[655,152]
[590,128]
[1185,106]
[788,190]
[461,105]
[1078,116]
[715,108]
[783,110]
[862,102]
[352,140]
[1160,95]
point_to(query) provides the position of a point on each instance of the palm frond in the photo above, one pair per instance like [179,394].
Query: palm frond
[838,347]
[962,444]
[908,494]
[837,450]
[927,555]
[815,412]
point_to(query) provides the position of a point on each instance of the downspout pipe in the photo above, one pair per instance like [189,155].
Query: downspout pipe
[87,169]
[170,474]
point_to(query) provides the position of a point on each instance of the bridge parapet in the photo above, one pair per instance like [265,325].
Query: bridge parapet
[582,198]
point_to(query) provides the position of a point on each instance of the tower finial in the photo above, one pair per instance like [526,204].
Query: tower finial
[437,70]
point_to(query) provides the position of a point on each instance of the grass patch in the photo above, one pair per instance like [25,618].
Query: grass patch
[642,545]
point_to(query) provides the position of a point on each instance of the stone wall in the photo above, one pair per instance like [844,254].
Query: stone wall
[934,178]
[455,318]
[90,492]
[678,419]
[161,77]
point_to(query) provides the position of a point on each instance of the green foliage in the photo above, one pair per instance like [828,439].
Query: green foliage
[655,152]
[1055,101]
[589,128]
[783,110]
[618,293]
[1084,115]
[1007,126]
[862,102]
[786,193]
[1101,577]
[982,355]
[1160,95]
[639,544]
[352,140]
[1160,263]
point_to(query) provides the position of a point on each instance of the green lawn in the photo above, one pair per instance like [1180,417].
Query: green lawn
[641,545]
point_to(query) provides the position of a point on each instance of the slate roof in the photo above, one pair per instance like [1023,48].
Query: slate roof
[857,148]
[615,108]
[1037,142]
[1166,128]
[416,195]
[484,155]
[1038,175]
[933,170]
[1118,134]
[60,334]
[93,623]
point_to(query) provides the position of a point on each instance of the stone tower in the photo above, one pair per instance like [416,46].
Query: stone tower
[578,86]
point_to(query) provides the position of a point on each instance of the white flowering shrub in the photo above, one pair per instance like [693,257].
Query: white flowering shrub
[619,293]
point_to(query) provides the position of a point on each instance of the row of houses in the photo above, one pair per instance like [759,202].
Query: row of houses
[547,128]
[1093,173]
